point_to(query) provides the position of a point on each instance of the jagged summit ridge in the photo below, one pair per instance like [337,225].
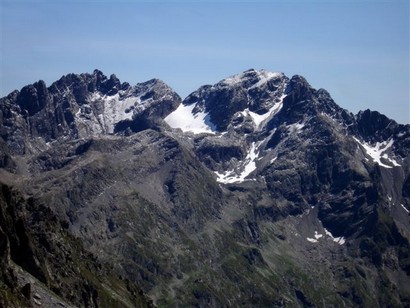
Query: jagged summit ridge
[254,95]
[251,78]
[256,191]
[252,102]
[256,113]
[80,106]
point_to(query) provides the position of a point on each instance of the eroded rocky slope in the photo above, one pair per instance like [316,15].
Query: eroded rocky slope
[256,191]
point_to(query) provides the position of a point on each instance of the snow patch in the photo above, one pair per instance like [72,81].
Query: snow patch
[402,205]
[116,110]
[295,128]
[340,240]
[258,119]
[184,119]
[273,159]
[318,235]
[378,151]
[232,80]
[316,239]
[249,166]
[263,76]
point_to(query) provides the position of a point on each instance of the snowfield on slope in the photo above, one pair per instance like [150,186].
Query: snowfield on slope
[184,119]
[339,240]
[249,166]
[377,152]
[259,119]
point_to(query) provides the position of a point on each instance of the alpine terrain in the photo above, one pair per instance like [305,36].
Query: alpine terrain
[258,191]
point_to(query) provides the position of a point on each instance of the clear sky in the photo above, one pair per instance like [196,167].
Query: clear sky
[357,50]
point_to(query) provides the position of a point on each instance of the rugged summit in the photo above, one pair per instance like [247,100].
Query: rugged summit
[257,191]
[81,106]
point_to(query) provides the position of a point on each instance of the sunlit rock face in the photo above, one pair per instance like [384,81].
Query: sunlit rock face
[257,191]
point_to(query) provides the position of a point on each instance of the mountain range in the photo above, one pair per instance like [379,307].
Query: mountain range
[257,191]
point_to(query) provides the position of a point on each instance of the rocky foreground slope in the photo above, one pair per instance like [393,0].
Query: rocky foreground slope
[256,191]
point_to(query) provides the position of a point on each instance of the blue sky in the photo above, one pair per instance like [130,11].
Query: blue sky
[357,50]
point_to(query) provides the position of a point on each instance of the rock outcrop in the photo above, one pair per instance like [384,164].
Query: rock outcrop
[259,191]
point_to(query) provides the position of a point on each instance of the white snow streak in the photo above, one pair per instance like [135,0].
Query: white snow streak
[402,205]
[230,81]
[248,168]
[273,159]
[264,77]
[318,235]
[339,240]
[295,128]
[258,119]
[378,151]
[184,119]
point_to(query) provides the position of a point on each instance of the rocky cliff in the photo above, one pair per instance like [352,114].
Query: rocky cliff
[257,191]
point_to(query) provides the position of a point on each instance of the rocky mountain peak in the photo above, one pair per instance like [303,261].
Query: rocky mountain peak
[81,84]
[254,100]
[237,98]
[250,79]
[33,98]
[372,123]
[258,190]
[80,106]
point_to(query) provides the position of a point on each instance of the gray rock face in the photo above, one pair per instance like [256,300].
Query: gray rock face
[39,256]
[255,91]
[256,191]
[80,106]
